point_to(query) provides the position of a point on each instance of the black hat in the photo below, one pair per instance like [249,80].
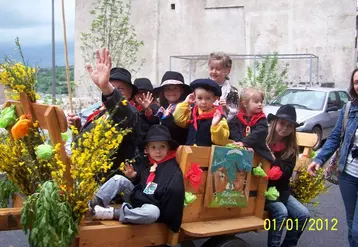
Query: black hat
[157,133]
[121,74]
[207,84]
[143,84]
[286,112]
[173,78]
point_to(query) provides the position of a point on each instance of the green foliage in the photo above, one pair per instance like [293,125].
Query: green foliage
[268,77]
[111,29]
[44,80]
[49,217]
[7,191]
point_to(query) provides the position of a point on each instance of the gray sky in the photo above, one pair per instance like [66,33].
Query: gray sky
[30,20]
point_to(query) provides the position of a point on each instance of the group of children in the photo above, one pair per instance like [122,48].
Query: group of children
[207,112]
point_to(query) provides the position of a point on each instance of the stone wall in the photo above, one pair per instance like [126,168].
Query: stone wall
[187,27]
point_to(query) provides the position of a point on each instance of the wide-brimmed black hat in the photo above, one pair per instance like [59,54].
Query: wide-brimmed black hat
[207,84]
[286,112]
[173,78]
[143,84]
[157,133]
[121,74]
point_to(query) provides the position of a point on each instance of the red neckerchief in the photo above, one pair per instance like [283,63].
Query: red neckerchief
[171,155]
[94,114]
[205,115]
[139,107]
[277,147]
[253,120]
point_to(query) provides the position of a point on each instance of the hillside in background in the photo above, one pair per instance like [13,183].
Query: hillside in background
[38,55]
[44,80]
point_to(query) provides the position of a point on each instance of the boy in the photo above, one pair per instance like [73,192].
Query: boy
[159,195]
[205,121]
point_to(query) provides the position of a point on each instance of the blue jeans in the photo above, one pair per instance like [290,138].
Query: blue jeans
[280,212]
[349,190]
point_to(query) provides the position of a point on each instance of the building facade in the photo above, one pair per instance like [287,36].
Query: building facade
[199,27]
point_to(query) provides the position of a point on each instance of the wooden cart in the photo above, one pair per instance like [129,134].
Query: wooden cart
[218,224]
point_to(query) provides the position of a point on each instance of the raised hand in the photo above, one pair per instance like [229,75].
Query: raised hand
[146,100]
[216,118]
[169,110]
[190,99]
[129,171]
[223,103]
[100,74]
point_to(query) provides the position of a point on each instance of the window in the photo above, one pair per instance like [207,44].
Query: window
[172,5]
[344,98]
[332,99]
[302,99]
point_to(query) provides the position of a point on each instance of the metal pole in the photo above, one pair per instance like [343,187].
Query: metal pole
[311,70]
[170,63]
[317,70]
[190,67]
[254,68]
[53,55]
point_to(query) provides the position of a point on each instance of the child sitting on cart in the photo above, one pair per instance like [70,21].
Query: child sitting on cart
[159,193]
[206,123]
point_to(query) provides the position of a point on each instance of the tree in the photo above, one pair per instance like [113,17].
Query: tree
[111,29]
[268,77]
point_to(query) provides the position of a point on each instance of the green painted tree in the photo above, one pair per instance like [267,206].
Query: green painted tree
[268,77]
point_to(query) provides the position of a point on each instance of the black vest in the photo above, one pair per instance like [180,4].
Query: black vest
[202,136]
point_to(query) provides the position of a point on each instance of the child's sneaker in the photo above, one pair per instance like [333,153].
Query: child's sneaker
[101,213]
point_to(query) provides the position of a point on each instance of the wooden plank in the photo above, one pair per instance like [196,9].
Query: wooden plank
[306,139]
[225,226]
[123,235]
[262,187]
[10,219]
[51,120]
[18,200]
[196,211]
[39,112]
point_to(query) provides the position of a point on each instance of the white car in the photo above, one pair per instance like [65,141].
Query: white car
[317,108]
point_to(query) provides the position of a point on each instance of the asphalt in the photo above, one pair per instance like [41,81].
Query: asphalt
[331,206]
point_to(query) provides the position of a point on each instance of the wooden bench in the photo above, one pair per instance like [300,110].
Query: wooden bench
[198,220]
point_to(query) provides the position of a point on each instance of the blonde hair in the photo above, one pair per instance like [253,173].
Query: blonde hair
[249,93]
[224,59]
[290,141]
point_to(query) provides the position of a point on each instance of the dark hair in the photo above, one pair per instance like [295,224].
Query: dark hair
[352,92]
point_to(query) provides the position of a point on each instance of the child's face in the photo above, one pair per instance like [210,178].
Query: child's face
[172,93]
[157,150]
[217,71]
[139,96]
[284,128]
[204,99]
[124,88]
[254,106]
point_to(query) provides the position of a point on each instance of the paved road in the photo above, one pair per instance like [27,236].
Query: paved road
[331,207]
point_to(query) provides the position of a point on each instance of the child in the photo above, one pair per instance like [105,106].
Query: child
[249,128]
[159,195]
[172,91]
[282,141]
[206,124]
[219,68]
[146,105]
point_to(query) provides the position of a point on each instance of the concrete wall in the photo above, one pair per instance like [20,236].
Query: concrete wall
[324,28]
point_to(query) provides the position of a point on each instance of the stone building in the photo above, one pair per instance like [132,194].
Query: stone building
[198,27]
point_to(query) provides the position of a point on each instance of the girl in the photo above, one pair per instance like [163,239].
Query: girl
[172,91]
[249,127]
[345,137]
[282,141]
[219,68]
[146,105]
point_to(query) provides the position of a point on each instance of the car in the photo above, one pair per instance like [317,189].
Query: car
[317,108]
